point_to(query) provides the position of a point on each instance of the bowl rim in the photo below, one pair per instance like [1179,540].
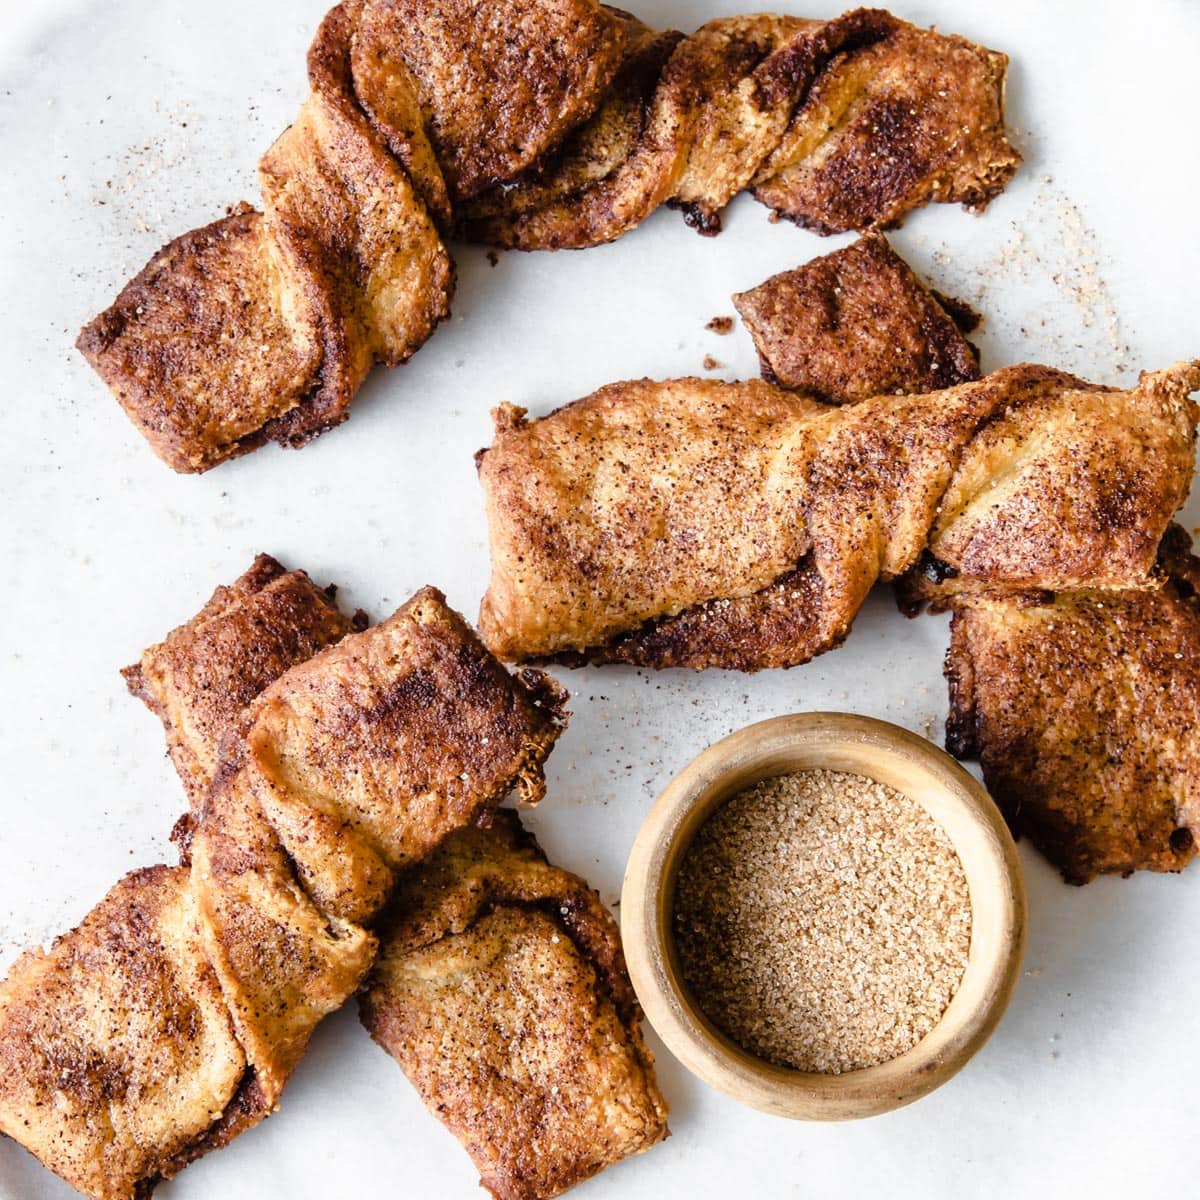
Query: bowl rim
[887,753]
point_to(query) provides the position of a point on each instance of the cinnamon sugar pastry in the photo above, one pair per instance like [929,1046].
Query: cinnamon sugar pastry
[262,326]
[501,990]
[841,124]
[201,676]
[556,123]
[560,1130]
[1082,708]
[171,1018]
[857,323]
[705,524]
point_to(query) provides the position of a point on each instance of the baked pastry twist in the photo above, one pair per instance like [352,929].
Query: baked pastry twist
[577,1084]
[557,123]
[262,326]
[693,523]
[171,1018]
[841,124]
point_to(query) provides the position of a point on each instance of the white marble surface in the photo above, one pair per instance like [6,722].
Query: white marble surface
[123,124]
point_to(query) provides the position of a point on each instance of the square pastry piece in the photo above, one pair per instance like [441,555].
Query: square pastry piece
[1082,708]
[858,323]
[208,350]
[201,676]
[501,990]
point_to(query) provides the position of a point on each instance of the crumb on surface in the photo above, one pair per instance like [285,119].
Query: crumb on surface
[711,364]
[822,921]
[720,325]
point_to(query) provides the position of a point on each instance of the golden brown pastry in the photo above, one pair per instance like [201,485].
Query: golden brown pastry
[501,990]
[170,1020]
[539,125]
[698,523]
[117,1055]
[208,670]
[201,676]
[841,124]
[1064,492]
[900,116]
[1082,709]
[856,323]
[261,327]
[497,84]
[203,351]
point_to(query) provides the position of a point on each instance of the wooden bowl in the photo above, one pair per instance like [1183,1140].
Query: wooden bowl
[889,755]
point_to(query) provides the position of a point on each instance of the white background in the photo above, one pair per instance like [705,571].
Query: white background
[123,124]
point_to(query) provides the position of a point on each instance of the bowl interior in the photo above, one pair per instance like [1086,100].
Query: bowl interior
[888,755]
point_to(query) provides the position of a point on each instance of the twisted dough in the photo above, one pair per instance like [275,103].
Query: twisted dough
[842,124]
[171,1018]
[702,524]
[560,972]
[557,123]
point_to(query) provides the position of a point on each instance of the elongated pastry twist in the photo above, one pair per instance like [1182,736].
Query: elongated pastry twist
[841,124]
[577,1084]
[552,124]
[171,1018]
[704,524]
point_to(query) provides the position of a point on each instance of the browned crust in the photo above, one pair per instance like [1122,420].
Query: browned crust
[907,116]
[743,77]
[262,326]
[194,990]
[248,1107]
[856,323]
[387,93]
[841,124]
[1056,497]
[576,1092]
[421,699]
[782,625]
[198,350]
[351,219]
[498,84]
[607,177]
[1082,709]
[696,523]
[116,1045]
[350,767]
[204,673]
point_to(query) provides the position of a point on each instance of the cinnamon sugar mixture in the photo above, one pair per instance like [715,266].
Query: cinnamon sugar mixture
[822,921]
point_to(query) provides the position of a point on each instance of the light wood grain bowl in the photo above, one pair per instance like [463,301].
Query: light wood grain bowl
[889,755]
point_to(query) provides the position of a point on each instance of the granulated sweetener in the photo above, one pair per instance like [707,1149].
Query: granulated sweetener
[822,921]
